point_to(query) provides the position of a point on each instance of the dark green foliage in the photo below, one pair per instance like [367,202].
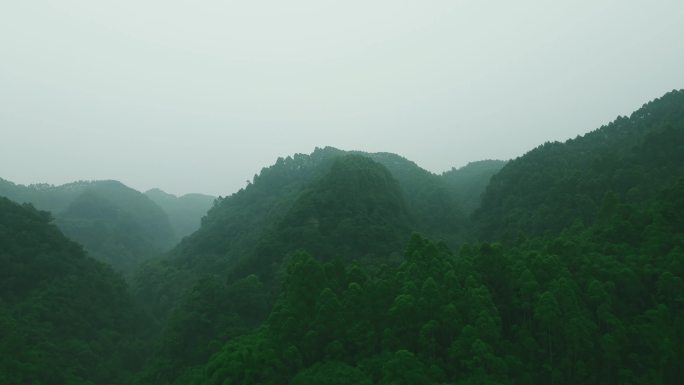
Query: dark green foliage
[596,299]
[556,184]
[64,317]
[576,308]
[356,210]
[185,212]
[331,373]
[116,224]
[339,206]
[210,314]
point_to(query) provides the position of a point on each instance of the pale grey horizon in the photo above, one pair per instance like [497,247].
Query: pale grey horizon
[199,96]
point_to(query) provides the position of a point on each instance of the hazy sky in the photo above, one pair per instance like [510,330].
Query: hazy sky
[198,96]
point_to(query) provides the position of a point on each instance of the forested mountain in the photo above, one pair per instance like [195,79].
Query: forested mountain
[596,305]
[339,205]
[556,309]
[556,184]
[355,211]
[354,268]
[185,212]
[115,223]
[230,231]
[65,318]
[268,219]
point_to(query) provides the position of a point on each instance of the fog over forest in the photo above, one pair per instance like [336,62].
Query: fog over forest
[341,193]
[199,97]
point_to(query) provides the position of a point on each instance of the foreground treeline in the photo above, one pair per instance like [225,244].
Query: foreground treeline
[596,305]
[599,304]
[65,318]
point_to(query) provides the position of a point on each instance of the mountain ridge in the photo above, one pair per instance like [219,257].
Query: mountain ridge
[136,228]
[556,183]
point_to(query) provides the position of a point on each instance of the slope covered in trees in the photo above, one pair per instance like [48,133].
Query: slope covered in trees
[249,229]
[589,301]
[353,210]
[115,223]
[236,223]
[557,184]
[230,231]
[65,318]
[341,206]
[596,305]
[310,274]
[356,210]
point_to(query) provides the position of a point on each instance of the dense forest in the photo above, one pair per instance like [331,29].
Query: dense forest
[65,318]
[562,266]
[557,184]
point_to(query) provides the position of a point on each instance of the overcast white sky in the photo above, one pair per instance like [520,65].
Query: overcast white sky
[198,96]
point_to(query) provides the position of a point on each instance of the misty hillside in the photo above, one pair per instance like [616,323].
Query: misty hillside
[470,181]
[432,202]
[557,184]
[185,212]
[115,223]
[268,219]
